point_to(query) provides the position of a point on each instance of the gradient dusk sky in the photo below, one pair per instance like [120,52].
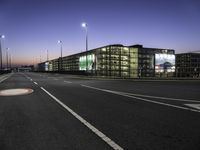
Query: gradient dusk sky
[33,26]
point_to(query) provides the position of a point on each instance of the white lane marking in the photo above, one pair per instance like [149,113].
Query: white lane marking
[35,83]
[5,77]
[67,81]
[142,99]
[156,97]
[55,79]
[196,106]
[86,123]
[165,98]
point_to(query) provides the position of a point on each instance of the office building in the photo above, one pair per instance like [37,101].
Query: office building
[188,65]
[117,61]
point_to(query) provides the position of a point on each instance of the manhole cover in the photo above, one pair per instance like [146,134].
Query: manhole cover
[13,92]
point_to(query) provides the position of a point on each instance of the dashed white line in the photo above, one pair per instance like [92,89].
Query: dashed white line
[35,83]
[67,81]
[110,142]
[142,99]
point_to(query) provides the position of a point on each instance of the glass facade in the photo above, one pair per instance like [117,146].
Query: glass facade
[188,65]
[112,60]
[164,63]
[86,64]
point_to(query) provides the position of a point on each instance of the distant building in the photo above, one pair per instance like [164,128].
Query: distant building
[117,61]
[188,65]
[24,68]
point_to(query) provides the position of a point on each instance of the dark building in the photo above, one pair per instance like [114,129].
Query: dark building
[188,65]
[117,61]
[155,62]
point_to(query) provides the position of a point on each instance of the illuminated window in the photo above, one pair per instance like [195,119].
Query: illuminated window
[90,62]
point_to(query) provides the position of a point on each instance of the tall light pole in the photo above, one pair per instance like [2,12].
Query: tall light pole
[10,61]
[40,59]
[85,25]
[47,55]
[60,42]
[1,61]
[7,49]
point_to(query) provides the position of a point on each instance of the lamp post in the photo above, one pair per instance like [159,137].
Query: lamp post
[1,61]
[7,49]
[60,42]
[40,59]
[85,25]
[47,55]
[10,61]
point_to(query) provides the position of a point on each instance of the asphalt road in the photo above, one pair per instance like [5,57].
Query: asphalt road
[70,112]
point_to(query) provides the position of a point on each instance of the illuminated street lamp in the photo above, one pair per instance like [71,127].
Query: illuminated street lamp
[1,61]
[85,25]
[60,42]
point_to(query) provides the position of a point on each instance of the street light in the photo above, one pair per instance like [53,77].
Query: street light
[85,25]
[1,61]
[10,61]
[40,59]
[60,42]
[7,49]
[47,55]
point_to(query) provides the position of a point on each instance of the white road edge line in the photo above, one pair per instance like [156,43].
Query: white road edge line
[35,83]
[142,99]
[87,124]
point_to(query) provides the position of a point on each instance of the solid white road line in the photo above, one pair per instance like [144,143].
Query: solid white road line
[67,81]
[142,99]
[165,98]
[87,124]
[5,77]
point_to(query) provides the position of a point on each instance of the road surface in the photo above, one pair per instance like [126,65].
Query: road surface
[64,112]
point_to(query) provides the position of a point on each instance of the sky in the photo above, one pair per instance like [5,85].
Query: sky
[31,27]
